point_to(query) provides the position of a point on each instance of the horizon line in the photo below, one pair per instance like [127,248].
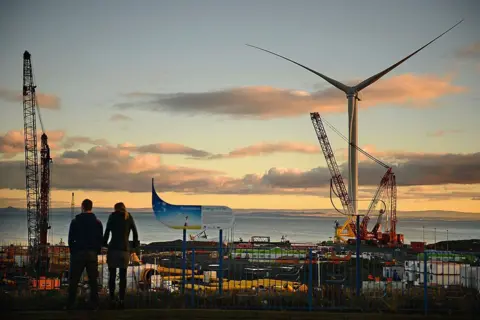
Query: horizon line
[258,209]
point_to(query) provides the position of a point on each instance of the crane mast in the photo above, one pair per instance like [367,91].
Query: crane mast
[394,237]
[31,156]
[43,223]
[38,192]
[337,178]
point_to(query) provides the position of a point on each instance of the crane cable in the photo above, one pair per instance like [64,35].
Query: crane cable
[360,150]
[331,199]
[36,101]
[355,146]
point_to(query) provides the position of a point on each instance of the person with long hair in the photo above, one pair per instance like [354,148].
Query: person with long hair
[120,223]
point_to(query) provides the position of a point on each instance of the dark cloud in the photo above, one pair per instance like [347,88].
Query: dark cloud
[79,154]
[70,142]
[120,117]
[117,169]
[268,102]
[471,52]
[110,169]
[166,148]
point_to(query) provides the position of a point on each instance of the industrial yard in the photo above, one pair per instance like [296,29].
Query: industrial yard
[265,276]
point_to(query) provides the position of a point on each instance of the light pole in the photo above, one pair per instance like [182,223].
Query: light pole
[423,233]
[447,239]
[435,238]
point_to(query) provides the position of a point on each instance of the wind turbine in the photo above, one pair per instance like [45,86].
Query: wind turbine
[352,97]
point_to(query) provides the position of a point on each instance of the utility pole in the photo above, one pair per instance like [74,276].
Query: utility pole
[447,239]
[423,233]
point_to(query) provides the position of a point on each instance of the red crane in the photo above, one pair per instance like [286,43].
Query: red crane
[38,201]
[386,194]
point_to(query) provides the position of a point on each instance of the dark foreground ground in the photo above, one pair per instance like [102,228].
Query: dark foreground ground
[182,314]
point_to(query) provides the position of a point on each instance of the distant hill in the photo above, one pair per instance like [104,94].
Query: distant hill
[10,210]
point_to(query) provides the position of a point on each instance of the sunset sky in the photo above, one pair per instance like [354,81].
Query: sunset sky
[131,90]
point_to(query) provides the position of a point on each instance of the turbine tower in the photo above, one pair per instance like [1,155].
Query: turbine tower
[352,97]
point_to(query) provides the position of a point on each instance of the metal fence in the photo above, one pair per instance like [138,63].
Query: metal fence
[262,278]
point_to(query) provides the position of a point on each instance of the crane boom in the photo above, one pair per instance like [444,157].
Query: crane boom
[384,184]
[31,156]
[337,178]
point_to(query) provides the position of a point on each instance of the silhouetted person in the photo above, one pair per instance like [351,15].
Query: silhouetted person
[85,239]
[120,223]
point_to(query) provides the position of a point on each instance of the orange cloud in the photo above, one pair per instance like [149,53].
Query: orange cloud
[120,117]
[265,102]
[441,133]
[259,149]
[268,148]
[389,156]
[110,168]
[44,100]
[12,143]
[165,148]
[409,89]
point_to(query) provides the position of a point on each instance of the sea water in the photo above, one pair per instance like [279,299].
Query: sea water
[13,227]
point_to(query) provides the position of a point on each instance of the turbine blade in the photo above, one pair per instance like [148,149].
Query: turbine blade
[333,82]
[372,79]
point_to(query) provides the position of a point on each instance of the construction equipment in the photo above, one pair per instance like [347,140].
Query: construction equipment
[348,228]
[387,190]
[31,155]
[386,194]
[37,207]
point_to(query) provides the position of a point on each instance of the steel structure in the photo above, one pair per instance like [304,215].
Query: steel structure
[386,194]
[387,218]
[31,156]
[38,201]
[45,161]
[348,229]
[352,97]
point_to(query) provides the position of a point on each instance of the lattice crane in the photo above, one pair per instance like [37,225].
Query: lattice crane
[38,201]
[387,190]
[348,229]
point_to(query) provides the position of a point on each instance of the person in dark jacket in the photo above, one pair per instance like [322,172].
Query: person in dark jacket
[120,223]
[85,239]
